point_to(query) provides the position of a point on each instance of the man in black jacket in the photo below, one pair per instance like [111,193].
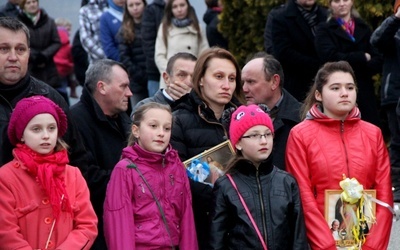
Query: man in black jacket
[263,80]
[10,9]
[292,31]
[104,126]
[16,83]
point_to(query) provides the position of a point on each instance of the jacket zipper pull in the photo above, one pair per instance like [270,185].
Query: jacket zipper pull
[171,179]
[141,185]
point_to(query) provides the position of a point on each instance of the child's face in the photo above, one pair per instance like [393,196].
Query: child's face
[253,147]
[154,131]
[41,134]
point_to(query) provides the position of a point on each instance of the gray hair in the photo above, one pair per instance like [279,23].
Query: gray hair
[271,66]
[100,70]
[15,25]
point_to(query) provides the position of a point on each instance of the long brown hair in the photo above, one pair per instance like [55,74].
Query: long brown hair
[128,24]
[167,20]
[321,79]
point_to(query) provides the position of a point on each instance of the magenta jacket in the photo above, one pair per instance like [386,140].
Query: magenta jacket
[26,215]
[132,219]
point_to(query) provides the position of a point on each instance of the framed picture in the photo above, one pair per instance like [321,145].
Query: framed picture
[211,164]
[340,218]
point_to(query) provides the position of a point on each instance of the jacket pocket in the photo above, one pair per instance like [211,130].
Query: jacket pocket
[23,211]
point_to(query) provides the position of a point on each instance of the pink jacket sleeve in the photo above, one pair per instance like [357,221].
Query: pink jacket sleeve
[85,219]
[379,234]
[119,224]
[188,239]
[318,233]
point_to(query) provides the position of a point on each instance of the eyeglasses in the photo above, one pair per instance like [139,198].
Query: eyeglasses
[257,136]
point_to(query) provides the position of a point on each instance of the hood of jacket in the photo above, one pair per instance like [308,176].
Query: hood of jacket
[159,2]
[315,113]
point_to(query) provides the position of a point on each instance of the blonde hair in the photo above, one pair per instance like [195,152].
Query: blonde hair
[139,115]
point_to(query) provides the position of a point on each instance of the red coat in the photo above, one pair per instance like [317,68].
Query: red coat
[26,214]
[63,58]
[319,151]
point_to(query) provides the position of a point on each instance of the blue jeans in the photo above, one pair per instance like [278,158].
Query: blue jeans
[152,87]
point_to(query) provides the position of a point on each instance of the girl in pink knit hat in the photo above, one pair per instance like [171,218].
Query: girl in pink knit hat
[44,202]
[256,205]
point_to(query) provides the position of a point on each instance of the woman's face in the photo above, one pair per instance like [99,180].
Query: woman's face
[341,8]
[135,8]
[31,7]
[338,95]
[180,9]
[219,82]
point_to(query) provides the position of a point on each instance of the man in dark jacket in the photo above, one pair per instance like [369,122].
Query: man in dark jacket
[263,80]
[16,83]
[384,39]
[104,126]
[151,20]
[293,30]
[214,37]
[10,9]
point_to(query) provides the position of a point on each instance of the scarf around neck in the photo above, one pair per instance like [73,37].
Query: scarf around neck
[33,17]
[309,15]
[48,171]
[180,23]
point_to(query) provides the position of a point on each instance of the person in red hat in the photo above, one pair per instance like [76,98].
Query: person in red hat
[256,205]
[45,202]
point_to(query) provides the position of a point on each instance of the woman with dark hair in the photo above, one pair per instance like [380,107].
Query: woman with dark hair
[179,32]
[44,40]
[131,51]
[333,142]
[345,36]
[197,121]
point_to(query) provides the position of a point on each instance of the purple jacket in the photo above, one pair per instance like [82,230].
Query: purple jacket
[131,216]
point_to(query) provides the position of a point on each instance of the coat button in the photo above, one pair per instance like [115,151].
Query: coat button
[16,164]
[45,201]
[189,48]
[47,220]
[50,245]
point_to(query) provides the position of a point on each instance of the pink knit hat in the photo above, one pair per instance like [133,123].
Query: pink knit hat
[246,117]
[28,108]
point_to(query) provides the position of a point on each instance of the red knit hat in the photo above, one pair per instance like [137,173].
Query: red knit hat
[28,108]
[246,117]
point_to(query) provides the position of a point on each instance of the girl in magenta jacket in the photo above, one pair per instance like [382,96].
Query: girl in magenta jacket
[148,200]
[44,202]
[331,142]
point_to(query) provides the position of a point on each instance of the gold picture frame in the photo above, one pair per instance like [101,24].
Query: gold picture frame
[217,158]
[335,216]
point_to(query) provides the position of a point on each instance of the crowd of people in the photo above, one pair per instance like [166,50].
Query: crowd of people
[157,90]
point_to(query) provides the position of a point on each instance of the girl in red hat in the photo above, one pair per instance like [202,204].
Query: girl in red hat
[44,202]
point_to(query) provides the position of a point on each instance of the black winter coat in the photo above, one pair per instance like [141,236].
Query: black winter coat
[334,44]
[45,43]
[214,37]
[104,139]
[293,47]
[384,40]
[151,20]
[29,86]
[133,57]
[287,117]
[273,199]
[195,130]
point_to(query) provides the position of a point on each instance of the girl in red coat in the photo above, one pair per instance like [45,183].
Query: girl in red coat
[331,142]
[44,202]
